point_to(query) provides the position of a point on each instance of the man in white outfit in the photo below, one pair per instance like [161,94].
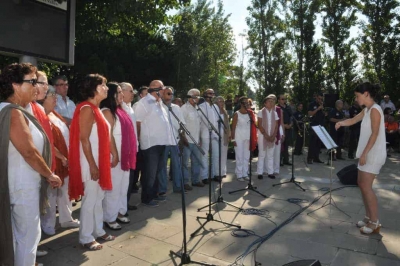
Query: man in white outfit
[65,106]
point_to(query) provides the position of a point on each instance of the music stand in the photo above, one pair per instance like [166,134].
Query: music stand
[330,144]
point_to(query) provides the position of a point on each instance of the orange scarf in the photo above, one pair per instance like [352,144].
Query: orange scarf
[75,173]
[45,122]
[59,143]
[253,130]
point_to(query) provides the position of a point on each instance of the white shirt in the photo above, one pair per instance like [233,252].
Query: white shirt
[65,109]
[212,115]
[269,114]
[154,128]
[128,108]
[175,125]
[192,119]
[388,104]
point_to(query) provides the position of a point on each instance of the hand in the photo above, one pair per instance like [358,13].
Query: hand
[234,143]
[94,172]
[283,139]
[54,181]
[114,161]
[338,125]
[363,159]
[64,162]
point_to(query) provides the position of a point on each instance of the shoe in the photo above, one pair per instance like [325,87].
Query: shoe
[260,177]
[49,231]
[198,184]
[73,204]
[275,174]
[318,161]
[217,178]
[287,163]
[162,194]
[38,264]
[160,198]
[187,187]
[246,178]
[309,161]
[74,224]
[271,176]
[240,179]
[224,176]
[151,204]
[363,222]
[132,207]
[41,253]
[113,226]
[368,231]
[205,181]
[179,191]
[123,220]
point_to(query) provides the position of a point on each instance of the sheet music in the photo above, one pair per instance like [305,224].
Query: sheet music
[324,137]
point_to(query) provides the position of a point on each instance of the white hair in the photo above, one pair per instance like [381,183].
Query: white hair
[193,91]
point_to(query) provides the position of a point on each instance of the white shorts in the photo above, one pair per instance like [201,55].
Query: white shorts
[370,168]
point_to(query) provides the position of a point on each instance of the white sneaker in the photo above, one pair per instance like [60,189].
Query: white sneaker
[240,179]
[41,253]
[74,223]
[48,231]
[246,178]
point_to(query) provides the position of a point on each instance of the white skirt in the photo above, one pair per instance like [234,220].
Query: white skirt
[370,168]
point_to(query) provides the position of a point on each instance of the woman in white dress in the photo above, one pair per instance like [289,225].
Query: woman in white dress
[371,152]
[123,150]
[23,141]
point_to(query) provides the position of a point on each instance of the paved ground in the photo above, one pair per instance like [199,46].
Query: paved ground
[326,235]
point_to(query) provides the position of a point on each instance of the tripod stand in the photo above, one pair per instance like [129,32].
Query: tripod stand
[184,256]
[250,185]
[209,217]
[220,199]
[292,179]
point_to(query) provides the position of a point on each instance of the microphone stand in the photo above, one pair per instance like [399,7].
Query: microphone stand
[250,185]
[292,179]
[220,198]
[210,217]
[184,256]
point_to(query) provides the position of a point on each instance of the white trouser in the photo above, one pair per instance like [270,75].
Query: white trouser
[91,225]
[265,160]
[277,157]
[115,200]
[215,158]
[242,156]
[25,225]
[224,158]
[57,197]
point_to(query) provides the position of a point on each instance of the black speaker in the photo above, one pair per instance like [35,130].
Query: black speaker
[348,175]
[304,263]
[330,100]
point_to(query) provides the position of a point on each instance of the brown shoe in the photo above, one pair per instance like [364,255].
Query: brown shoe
[188,187]
[199,184]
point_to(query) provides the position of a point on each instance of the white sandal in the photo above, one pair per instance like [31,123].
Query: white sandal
[123,220]
[363,222]
[368,231]
[113,226]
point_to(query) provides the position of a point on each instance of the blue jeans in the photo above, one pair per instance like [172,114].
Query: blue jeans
[153,164]
[175,169]
[194,154]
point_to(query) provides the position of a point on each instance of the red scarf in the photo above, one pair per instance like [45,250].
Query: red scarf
[75,174]
[278,133]
[253,130]
[45,122]
[59,143]
[128,141]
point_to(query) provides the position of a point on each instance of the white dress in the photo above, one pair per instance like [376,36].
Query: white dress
[24,186]
[376,157]
[242,148]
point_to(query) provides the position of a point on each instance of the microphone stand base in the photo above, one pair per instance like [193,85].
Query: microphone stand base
[249,187]
[210,218]
[185,259]
[291,181]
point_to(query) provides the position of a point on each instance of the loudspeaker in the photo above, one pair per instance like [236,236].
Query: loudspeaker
[304,263]
[330,100]
[348,175]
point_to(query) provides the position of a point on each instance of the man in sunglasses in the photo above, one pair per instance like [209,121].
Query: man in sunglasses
[65,107]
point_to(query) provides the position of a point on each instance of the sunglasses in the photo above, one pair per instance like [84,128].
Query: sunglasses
[31,81]
[169,93]
[42,83]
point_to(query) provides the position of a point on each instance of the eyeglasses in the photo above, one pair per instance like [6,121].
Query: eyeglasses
[42,83]
[31,81]
[61,84]
[51,94]
[283,99]
[211,93]
[169,93]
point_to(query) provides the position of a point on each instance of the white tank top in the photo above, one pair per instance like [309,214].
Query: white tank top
[21,175]
[242,131]
[377,154]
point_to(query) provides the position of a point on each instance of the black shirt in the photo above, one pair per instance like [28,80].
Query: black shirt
[318,118]
[354,111]
[286,114]
[299,118]
[336,114]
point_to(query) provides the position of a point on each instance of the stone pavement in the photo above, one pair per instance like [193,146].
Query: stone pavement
[327,235]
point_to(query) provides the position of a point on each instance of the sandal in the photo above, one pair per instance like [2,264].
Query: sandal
[364,222]
[123,220]
[115,226]
[107,237]
[368,231]
[93,245]
[38,264]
